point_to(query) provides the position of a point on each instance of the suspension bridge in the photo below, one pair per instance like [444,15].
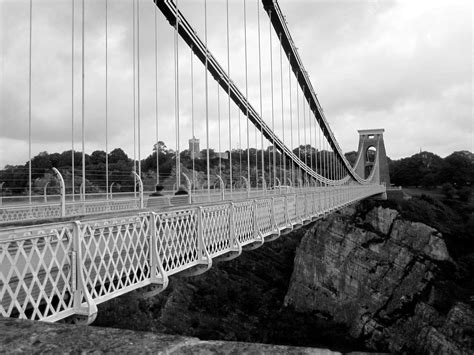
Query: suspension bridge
[278,167]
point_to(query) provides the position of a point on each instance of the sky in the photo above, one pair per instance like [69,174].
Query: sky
[405,66]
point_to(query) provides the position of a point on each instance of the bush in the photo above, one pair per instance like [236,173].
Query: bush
[464,193]
[448,190]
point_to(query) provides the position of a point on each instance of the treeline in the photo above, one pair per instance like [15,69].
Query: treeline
[424,169]
[454,173]
[120,167]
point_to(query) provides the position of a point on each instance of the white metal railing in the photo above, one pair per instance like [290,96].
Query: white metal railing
[94,205]
[50,272]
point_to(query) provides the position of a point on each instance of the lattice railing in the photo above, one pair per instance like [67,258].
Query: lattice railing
[244,222]
[177,237]
[36,272]
[115,256]
[50,272]
[216,229]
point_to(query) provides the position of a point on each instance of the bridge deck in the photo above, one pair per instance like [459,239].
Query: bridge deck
[52,271]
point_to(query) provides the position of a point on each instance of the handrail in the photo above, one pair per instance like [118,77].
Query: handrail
[145,247]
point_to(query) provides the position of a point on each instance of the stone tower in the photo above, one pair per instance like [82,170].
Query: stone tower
[371,143]
[194,148]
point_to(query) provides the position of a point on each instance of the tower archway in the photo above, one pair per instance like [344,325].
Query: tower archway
[371,146]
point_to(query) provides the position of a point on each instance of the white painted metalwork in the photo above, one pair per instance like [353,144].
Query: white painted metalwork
[1,192]
[50,272]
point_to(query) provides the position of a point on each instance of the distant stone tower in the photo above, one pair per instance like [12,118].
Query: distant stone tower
[194,148]
[371,142]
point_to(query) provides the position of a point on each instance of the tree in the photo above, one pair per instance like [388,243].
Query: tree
[118,155]
[161,147]
[98,157]
[464,193]
[448,190]
[351,157]
[458,169]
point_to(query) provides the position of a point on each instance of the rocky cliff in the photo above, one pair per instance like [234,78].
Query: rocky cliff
[380,274]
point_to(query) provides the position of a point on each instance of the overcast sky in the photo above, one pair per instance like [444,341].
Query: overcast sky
[405,66]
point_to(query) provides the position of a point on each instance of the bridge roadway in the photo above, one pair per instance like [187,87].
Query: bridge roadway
[54,271]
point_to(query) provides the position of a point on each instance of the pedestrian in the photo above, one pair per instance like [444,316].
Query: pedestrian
[157,199]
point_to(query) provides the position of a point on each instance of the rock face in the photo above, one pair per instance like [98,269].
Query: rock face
[375,274]
[25,336]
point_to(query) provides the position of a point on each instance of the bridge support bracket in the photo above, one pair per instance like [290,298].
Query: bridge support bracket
[205,259]
[85,308]
[158,277]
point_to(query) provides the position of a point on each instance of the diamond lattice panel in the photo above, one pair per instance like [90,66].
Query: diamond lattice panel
[279,205]
[291,205]
[115,255]
[35,272]
[177,239]
[244,221]
[216,229]
[264,216]
[300,206]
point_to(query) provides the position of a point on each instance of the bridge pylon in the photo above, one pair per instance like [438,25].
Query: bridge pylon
[371,146]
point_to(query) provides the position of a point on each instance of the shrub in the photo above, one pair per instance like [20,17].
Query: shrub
[448,190]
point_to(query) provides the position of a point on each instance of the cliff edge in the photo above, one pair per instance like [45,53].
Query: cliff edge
[377,273]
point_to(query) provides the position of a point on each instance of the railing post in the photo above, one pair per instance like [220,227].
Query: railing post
[152,248]
[111,192]
[79,287]
[140,187]
[202,250]
[273,216]
[222,186]
[82,191]
[279,184]
[255,225]
[188,183]
[232,228]
[156,267]
[1,192]
[62,187]
[247,186]
[45,198]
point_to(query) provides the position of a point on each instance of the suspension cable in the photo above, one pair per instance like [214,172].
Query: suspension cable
[240,146]
[193,154]
[271,82]
[134,101]
[310,139]
[106,104]
[304,130]
[247,95]
[83,116]
[138,90]
[228,98]
[291,119]
[29,103]
[260,87]
[156,102]
[316,127]
[219,126]
[207,103]
[298,120]
[282,113]
[176,95]
[72,99]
